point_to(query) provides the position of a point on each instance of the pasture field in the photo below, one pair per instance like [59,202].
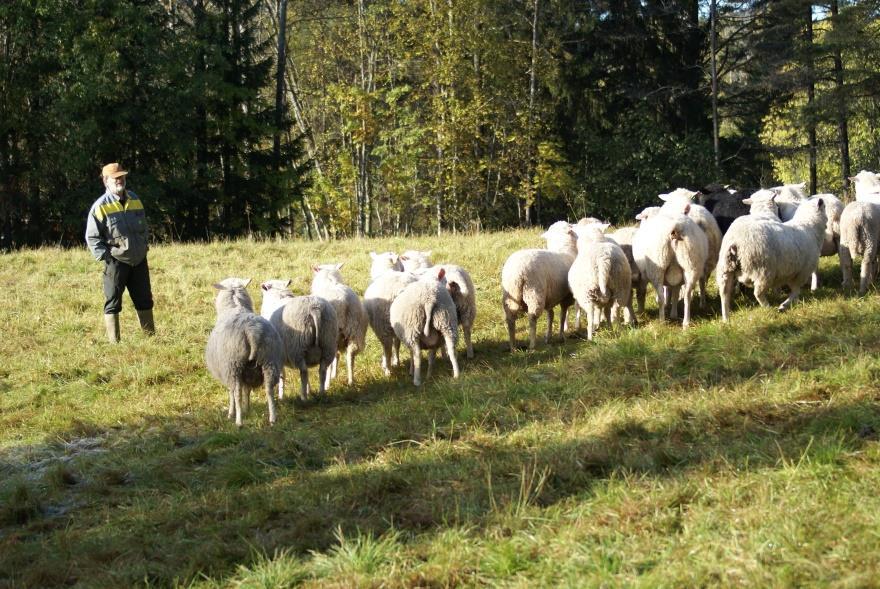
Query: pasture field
[737,455]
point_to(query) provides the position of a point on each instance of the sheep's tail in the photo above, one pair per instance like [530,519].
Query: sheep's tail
[253,344]
[602,278]
[731,259]
[315,314]
[429,309]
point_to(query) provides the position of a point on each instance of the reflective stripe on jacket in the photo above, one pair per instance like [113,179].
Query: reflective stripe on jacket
[116,230]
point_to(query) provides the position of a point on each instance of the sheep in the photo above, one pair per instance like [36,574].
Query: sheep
[762,205]
[423,316]
[788,199]
[768,254]
[671,250]
[244,351]
[377,303]
[308,329]
[412,260]
[673,202]
[725,204]
[351,318]
[831,242]
[536,280]
[867,185]
[600,278]
[384,262]
[624,238]
[859,236]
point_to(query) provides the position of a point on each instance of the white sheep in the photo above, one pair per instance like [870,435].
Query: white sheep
[859,236]
[769,254]
[536,280]
[600,277]
[788,199]
[244,351]
[351,317]
[384,262]
[377,302]
[670,250]
[867,185]
[308,329]
[675,202]
[423,316]
[413,260]
[831,242]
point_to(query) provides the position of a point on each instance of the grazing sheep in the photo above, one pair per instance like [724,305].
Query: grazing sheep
[769,254]
[670,250]
[308,329]
[377,303]
[859,236]
[424,318]
[351,318]
[536,280]
[413,260]
[674,202]
[244,351]
[600,278]
[384,262]
[867,185]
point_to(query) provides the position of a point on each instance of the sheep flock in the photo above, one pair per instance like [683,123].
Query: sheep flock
[769,240]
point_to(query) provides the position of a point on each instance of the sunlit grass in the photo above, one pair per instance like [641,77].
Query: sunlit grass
[741,454]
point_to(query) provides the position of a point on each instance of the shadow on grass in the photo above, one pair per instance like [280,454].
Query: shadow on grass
[166,500]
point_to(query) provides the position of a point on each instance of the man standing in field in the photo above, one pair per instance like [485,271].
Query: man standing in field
[116,233]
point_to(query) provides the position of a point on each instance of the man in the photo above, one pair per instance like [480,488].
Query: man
[116,233]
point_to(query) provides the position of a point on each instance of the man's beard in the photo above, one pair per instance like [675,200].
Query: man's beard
[117,189]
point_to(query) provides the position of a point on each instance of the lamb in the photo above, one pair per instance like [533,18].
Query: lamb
[867,185]
[423,316]
[308,329]
[671,250]
[600,277]
[377,303]
[536,280]
[769,254]
[351,318]
[244,351]
[384,262]
[673,202]
[859,236]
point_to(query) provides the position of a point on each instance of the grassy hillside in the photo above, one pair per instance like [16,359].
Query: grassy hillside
[725,455]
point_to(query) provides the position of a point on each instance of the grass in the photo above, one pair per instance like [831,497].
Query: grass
[744,454]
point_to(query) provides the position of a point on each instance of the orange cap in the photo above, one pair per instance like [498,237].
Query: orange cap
[113,170]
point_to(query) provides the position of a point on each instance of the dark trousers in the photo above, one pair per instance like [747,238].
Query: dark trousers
[117,277]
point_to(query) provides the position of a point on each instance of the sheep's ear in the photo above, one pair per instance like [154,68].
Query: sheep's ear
[441,273]
[640,216]
[604,226]
[218,286]
[403,257]
[246,282]
[775,191]
[340,265]
[663,196]
[453,287]
[316,268]
[687,208]
[802,185]
[747,201]
[265,286]
[853,179]
[428,253]
[287,282]
[820,204]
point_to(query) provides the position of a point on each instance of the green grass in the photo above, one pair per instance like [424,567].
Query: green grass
[744,454]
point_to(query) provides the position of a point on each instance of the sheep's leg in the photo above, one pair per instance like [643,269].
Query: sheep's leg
[549,312]
[432,357]
[868,269]
[323,377]
[688,294]
[231,412]
[349,362]
[641,293]
[387,361]
[672,294]
[466,330]
[417,364]
[562,325]
[281,384]
[304,382]
[325,382]
[533,327]
[591,320]
[450,351]
[395,360]
[703,280]
[270,397]
[629,315]
[245,400]
[814,281]
[661,301]
[726,288]
[511,330]
[237,394]
[761,293]
[577,317]
[792,297]
[846,265]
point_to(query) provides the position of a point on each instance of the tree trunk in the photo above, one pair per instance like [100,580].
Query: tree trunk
[531,131]
[811,98]
[713,41]
[842,122]
[281,62]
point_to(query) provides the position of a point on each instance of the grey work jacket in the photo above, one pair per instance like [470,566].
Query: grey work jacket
[116,230]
